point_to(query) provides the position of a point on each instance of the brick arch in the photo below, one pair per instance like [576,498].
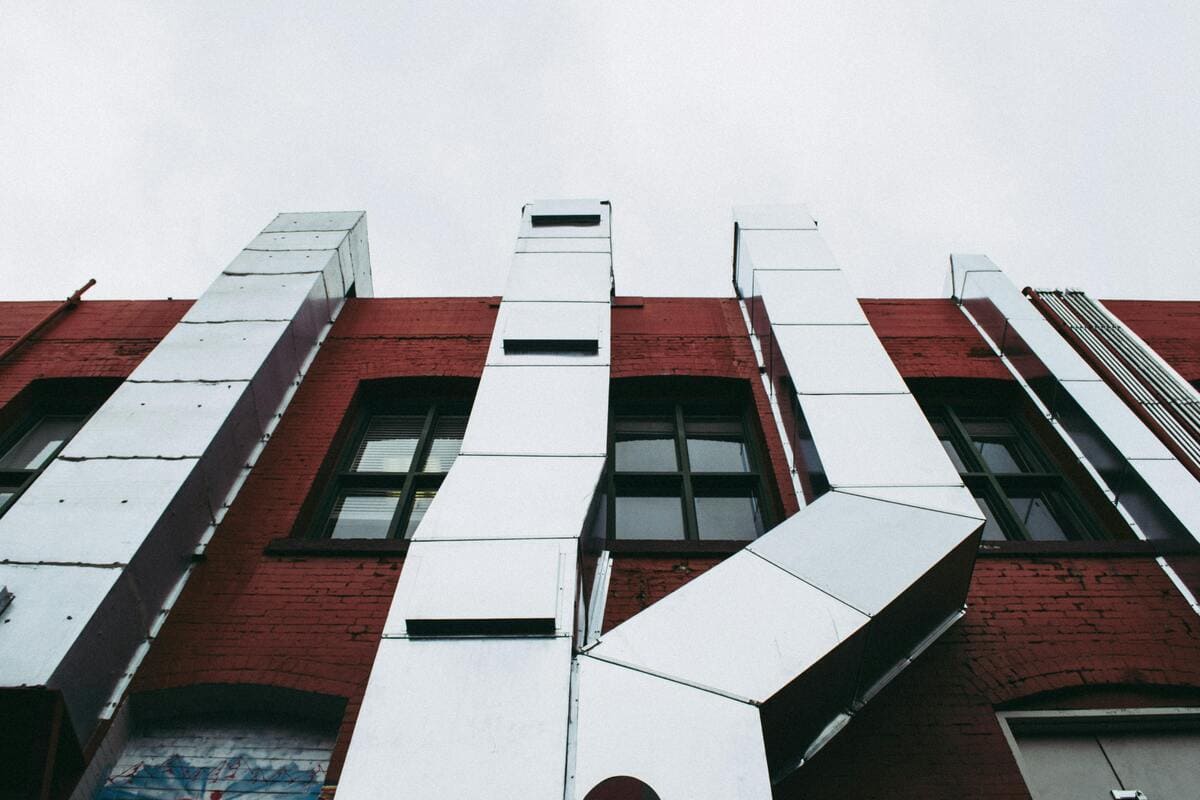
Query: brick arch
[1050,675]
[264,670]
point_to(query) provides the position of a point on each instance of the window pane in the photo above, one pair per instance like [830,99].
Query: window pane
[37,446]
[5,494]
[1000,456]
[447,441]
[1039,518]
[943,433]
[645,445]
[728,518]
[998,444]
[362,514]
[991,528]
[649,518]
[421,500]
[715,445]
[388,443]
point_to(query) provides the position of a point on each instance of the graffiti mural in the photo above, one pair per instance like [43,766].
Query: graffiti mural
[202,760]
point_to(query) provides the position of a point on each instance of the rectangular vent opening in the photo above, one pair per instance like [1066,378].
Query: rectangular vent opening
[573,347]
[451,628]
[564,220]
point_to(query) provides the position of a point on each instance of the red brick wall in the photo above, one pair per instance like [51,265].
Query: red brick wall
[310,622]
[1050,632]
[1035,625]
[97,339]
[932,339]
[1171,327]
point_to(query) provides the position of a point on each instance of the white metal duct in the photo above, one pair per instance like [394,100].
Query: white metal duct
[1065,382]
[94,548]
[468,696]
[742,673]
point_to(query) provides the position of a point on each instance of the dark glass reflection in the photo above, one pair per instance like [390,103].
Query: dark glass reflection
[645,445]
[735,518]
[649,517]
[716,445]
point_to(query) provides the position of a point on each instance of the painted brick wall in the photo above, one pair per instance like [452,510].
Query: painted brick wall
[932,339]
[1171,327]
[696,336]
[1035,624]
[97,339]
[1065,629]
[310,623]
[1092,632]
[208,759]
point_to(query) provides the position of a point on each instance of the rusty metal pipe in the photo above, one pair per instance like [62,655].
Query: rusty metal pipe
[69,303]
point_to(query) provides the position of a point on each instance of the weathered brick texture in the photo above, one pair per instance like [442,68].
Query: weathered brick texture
[1078,630]
[96,339]
[1171,327]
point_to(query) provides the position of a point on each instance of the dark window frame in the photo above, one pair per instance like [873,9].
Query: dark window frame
[681,399]
[967,402]
[77,398]
[402,397]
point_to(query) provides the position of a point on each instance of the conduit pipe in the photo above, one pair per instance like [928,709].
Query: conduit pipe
[1159,399]
[70,302]
[1062,379]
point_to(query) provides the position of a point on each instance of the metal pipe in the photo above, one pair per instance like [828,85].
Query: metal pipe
[1118,385]
[70,302]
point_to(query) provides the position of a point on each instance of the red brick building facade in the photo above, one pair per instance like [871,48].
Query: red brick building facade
[1105,622]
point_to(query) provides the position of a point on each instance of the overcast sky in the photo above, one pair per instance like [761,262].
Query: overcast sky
[144,145]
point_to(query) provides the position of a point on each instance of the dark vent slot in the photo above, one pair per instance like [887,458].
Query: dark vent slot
[564,220]
[439,628]
[582,347]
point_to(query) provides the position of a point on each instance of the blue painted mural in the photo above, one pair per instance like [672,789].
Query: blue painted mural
[237,777]
[240,776]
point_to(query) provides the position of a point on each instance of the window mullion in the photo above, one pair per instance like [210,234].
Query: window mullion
[399,521]
[685,468]
[610,501]
[963,442]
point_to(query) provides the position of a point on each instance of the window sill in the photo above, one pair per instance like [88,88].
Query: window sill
[1162,547]
[336,547]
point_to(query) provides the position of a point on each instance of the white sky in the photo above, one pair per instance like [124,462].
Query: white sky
[144,145]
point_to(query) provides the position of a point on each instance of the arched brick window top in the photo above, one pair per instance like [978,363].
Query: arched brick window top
[621,787]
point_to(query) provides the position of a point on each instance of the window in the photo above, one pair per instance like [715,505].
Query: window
[684,463]
[1143,754]
[1017,485]
[396,456]
[40,422]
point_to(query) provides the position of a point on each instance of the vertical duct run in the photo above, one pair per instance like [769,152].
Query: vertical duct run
[736,678]
[94,547]
[1142,475]
[468,696]
[1155,392]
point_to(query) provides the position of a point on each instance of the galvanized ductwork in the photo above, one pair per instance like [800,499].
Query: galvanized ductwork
[743,673]
[469,693]
[1143,477]
[94,548]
